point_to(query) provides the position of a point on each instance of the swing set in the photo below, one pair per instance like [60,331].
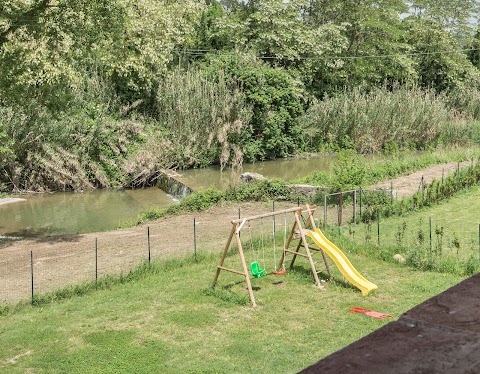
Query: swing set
[298,231]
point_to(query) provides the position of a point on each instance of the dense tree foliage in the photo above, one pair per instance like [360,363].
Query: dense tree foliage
[105,92]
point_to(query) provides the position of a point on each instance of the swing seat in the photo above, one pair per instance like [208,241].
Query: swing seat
[255,269]
[280,272]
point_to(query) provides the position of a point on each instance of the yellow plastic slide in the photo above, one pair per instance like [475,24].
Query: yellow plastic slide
[342,262]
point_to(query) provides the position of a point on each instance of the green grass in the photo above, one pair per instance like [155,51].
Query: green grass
[168,320]
[455,233]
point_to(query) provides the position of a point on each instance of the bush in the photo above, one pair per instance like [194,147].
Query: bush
[349,171]
[200,200]
[259,191]
[276,100]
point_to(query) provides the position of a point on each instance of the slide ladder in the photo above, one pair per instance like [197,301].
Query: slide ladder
[342,262]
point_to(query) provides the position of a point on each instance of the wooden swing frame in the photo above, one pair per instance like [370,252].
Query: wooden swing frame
[297,229]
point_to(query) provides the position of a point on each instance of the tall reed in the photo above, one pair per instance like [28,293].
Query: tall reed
[201,120]
[370,122]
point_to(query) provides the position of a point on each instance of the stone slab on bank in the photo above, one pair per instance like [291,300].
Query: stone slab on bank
[11,200]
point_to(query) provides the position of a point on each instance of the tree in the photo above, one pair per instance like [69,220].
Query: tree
[51,46]
[474,52]
[454,15]
[276,32]
[275,98]
[440,62]
[373,28]
[207,31]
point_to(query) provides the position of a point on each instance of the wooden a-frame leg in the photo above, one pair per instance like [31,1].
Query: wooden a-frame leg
[224,254]
[297,219]
[287,244]
[310,259]
[311,222]
[245,270]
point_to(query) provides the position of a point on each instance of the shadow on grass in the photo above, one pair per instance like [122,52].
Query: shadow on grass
[305,274]
[224,294]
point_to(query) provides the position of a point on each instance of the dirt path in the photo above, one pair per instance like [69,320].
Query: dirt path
[409,184]
[58,262]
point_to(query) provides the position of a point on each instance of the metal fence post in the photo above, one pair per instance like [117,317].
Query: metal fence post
[96,260]
[421,186]
[340,209]
[273,217]
[355,207]
[148,244]
[324,212]
[339,218]
[391,193]
[430,228]
[194,237]
[31,274]
[378,227]
[360,204]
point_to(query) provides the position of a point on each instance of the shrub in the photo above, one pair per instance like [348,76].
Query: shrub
[349,171]
[275,99]
[259,191]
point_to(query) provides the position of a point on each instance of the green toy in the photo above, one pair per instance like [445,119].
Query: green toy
[256,271]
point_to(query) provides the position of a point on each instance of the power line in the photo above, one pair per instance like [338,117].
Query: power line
[203,52]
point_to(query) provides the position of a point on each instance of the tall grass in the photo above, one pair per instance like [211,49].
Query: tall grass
[464,101]
[382,119]
[79,147]
[95,142]
[202,120]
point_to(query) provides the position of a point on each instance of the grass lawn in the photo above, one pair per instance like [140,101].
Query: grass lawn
[455,227]
[169,321]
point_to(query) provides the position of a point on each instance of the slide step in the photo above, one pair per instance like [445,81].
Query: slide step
[296,253]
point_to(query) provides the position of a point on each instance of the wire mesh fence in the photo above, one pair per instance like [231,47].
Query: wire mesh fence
[57,264]
[425,235]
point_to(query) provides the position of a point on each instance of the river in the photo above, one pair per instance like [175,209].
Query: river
[65,213]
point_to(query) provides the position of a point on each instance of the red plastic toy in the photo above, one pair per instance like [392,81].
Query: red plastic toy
[370,313]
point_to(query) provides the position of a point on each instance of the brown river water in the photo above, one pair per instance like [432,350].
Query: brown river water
[64,213]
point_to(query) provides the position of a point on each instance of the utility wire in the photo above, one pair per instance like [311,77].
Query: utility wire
[201,52]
